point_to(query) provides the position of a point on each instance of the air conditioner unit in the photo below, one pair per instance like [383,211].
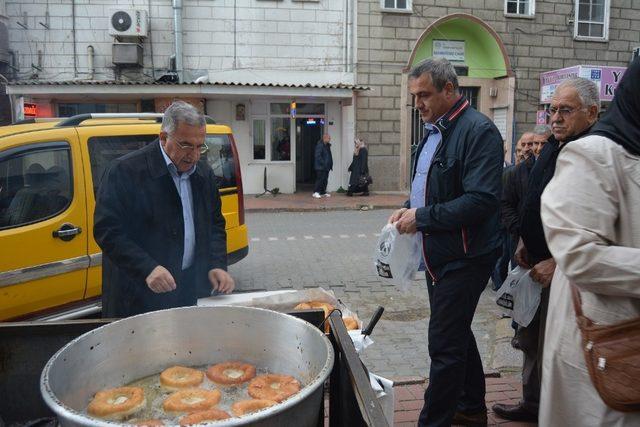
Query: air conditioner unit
[128,23]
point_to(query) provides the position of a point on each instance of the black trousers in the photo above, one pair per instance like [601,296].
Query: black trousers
[456,378]
[322,177]
[531,340]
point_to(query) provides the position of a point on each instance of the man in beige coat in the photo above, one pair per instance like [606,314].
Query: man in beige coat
[591,215]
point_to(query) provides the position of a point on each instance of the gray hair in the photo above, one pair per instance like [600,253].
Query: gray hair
[587,90]
[541,130]
[440,70]
[181,112]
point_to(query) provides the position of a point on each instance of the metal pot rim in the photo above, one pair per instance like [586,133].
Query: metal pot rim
[78,417]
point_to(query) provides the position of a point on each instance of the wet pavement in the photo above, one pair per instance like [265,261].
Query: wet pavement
[334,250]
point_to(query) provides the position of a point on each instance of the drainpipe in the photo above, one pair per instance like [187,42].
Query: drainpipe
[345,36]
[73,32]
[177,28]
[90,56]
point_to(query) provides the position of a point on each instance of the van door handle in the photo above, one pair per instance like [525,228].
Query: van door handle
[67,232]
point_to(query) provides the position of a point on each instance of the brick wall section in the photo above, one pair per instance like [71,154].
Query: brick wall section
[534,45]
[276,35]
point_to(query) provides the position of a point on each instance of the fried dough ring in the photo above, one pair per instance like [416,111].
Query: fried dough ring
[326,307]
[350,323]
[149,423]
[203,417]
[273,387]
[191,400]
[117,403]
[178,377]
[244,407]
[231,373]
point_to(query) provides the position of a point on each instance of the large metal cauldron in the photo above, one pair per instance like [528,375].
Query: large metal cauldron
[139,346]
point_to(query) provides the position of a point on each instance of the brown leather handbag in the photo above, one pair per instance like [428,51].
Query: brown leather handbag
[612,354]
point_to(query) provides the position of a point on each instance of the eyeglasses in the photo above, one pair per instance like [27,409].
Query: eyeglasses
[564,112]
[188,147]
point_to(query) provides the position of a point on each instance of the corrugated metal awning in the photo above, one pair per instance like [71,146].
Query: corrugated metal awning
[228,89]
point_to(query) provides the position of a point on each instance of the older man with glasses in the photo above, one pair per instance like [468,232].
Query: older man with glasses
[159,223]
[573,111]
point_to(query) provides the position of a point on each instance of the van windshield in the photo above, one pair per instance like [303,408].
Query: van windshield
[221,159]
[104,149]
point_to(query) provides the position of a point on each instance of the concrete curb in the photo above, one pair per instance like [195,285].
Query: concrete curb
[322,208]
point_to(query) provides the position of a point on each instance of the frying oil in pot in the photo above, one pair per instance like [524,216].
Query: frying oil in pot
[156,395]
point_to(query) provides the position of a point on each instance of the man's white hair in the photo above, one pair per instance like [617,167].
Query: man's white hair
[587,90]
[181,112]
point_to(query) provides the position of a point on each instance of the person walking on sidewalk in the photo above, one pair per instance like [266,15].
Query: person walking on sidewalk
[573,110]
[359,168]
[323,163]
[454,209]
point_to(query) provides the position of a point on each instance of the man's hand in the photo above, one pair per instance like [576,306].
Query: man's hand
[407,222]
[160,280]
[221,281]
[395,216]
[521,255]
[542,272]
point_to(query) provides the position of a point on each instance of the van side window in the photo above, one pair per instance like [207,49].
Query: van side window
[221,159]
[104,149]
[35,184]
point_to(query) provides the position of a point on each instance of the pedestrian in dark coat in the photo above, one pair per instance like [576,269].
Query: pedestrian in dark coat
[323,163]
[159,223]
[454,211]
[359,168]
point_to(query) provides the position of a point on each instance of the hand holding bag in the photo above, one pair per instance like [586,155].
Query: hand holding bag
[612,355]
[365,180]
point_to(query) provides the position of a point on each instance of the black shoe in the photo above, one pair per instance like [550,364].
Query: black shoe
[366,193]
[349,194]
[475,419]
[514,412]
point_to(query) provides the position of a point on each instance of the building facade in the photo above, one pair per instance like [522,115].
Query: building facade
[245,63]
[499,47]
[342,65]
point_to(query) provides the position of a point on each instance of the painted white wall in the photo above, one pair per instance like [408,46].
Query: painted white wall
[281,35]
[282,174]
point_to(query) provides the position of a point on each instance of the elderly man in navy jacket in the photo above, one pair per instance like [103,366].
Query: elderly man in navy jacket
[454,211]
[159,223]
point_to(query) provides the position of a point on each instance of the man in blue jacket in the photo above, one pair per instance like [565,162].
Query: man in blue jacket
[323,163]
[454,211]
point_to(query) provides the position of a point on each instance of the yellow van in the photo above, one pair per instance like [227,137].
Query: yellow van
[50,171]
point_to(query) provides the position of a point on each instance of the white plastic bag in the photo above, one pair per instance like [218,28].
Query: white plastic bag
[397,256]
[526,300]
[383,388]
[505,295]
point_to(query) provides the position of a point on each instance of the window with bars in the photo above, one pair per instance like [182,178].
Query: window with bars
[519,7]
[396,5]
[592,19]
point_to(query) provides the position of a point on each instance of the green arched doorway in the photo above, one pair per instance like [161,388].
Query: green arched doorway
[484,72]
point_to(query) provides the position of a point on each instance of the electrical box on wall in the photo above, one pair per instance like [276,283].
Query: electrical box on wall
[128,23]
[127,54]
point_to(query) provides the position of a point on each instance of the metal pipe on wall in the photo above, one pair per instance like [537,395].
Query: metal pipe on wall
[73,32]
[90,58]
[177,28]
[345,36]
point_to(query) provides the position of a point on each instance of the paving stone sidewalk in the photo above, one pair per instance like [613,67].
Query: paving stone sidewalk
[409,400]
[302,201]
